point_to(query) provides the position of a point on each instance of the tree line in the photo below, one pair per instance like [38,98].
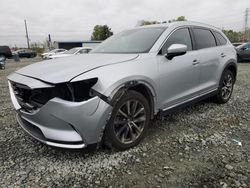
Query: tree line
[102,32]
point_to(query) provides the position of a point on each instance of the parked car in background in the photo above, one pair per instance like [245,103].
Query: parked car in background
[25,53]
[243,51]
[113,93]
[2,62]
[71,52]
[52,52]
[237,43]
[5,52]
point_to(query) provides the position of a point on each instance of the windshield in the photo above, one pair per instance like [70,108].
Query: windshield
[131,41]
[72,51]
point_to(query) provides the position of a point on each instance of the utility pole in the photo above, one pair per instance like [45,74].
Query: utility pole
[246,23]
[49,37]
[27,35]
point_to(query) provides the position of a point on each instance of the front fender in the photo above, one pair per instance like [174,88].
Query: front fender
[112,78]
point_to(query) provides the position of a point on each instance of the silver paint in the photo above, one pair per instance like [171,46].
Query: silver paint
[171,83]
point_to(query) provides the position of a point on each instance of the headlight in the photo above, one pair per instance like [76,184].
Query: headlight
[81,90]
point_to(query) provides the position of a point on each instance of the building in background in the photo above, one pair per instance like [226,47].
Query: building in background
[72,44]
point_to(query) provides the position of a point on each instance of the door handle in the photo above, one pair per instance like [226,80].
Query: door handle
[195,62]
[222,55]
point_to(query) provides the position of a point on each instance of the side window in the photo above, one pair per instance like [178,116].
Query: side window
[204,38]
[181,36]
[220,39]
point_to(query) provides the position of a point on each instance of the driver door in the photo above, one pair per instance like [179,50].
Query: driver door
[179,77]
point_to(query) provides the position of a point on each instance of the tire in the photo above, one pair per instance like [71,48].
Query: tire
[225,88]
[238,58]
[127,125]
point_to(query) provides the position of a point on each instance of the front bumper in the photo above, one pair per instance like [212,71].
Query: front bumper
[65,124]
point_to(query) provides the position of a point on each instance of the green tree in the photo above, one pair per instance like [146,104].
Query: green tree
[181,18]
[233,36]
[146,22]
[37,47]
[101,32]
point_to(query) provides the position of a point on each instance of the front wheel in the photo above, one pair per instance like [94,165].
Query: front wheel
[129,121]
[225,88]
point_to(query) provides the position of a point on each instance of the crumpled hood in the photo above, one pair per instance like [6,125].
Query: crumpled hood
[64,69]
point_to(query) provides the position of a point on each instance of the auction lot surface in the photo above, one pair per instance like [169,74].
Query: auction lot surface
[193,147]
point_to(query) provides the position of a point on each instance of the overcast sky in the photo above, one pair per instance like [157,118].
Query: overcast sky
[75,19]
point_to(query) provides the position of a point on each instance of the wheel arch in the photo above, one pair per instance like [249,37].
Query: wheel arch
[232,66]
[141,87]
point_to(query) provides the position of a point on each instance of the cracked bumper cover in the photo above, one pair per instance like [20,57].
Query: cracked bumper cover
[65,124]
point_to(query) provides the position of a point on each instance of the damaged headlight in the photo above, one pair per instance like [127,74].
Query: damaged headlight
[32,99]
[81,90]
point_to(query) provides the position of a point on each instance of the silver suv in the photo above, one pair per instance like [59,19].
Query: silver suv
[111,94]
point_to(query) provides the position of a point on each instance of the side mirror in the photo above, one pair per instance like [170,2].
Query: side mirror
[243,48]
[176,50]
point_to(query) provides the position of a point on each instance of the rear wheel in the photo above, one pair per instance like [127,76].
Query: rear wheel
[225,87]
[129,121]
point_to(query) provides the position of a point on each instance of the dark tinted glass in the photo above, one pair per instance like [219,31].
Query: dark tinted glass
[181,36]
[204,38]
[220,39]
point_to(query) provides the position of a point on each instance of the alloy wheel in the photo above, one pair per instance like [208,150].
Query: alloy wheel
[227,87]
[129,121]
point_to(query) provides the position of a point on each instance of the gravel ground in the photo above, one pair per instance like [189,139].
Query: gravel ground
[195,147]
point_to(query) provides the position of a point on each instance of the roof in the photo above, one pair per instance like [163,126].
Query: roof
[179,23]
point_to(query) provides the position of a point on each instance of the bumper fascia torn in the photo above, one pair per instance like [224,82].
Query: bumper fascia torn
[67,124]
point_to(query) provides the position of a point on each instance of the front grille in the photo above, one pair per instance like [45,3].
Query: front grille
[33,99]
[23,95]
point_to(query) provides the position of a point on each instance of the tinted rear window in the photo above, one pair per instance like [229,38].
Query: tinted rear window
[204,38]
[220,39]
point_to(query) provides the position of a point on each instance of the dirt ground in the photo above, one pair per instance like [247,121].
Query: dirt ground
[204,145]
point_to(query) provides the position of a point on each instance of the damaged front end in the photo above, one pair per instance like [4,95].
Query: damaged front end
[32,99]
[69,115]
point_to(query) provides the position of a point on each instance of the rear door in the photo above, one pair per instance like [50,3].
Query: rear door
[209,58]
